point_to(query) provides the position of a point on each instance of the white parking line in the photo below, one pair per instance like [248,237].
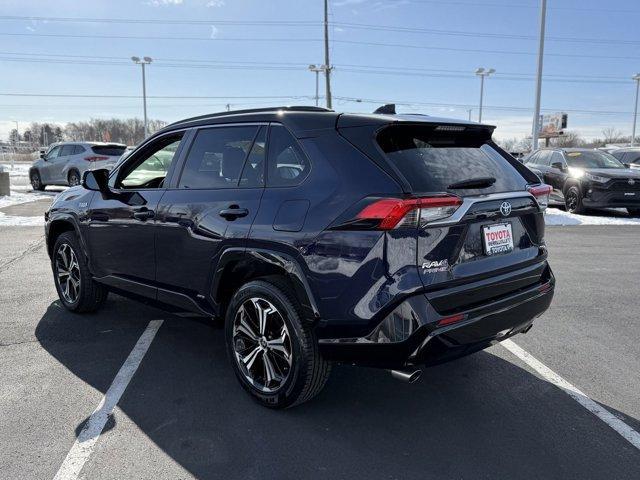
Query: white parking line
[599,411]
[84,444]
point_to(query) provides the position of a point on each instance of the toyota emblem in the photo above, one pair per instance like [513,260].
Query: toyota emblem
[631,181]
[505,209]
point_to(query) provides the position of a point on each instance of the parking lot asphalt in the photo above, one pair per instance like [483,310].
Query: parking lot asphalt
[183,415]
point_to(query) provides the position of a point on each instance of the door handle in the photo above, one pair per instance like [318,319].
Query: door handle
[233,212]
[143,214]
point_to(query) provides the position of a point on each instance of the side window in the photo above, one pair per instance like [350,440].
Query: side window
[217,157]
[78,149]
[66,150]
[287,163]
[533,159]
[557,157]
[253,171]
[544,158]
[150,166]
[54,152]
[632,157]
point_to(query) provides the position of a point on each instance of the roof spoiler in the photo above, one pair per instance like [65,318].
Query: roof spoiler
[388,109]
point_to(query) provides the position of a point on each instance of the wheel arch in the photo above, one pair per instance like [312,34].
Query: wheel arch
[238,266]
[59,226]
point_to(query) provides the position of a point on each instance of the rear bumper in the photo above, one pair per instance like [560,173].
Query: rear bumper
[433,342]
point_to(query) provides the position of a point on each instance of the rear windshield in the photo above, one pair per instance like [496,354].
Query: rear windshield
[435,161]
[111,150]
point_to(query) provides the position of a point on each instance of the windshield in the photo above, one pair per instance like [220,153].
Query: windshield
[592,159]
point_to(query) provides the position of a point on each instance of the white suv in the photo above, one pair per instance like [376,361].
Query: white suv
[65,163]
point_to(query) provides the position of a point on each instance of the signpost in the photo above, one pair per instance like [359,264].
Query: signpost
[552,126]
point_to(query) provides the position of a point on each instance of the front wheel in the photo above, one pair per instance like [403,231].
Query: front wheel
[76,288]
[273,351]
[573,200]
[36,181]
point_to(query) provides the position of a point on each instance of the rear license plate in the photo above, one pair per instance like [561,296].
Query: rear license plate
[498,238]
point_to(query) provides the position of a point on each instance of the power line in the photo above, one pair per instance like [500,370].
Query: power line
[350,42]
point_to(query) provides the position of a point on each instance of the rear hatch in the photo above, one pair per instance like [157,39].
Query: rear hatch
[479,230]
[106,155]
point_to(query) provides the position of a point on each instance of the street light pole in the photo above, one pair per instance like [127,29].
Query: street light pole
[636,77]
[142,62]
[317,69]
[536,112]
[482,73]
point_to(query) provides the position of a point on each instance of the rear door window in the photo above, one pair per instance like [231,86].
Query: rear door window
[434,161]
[67,150]
[217,158]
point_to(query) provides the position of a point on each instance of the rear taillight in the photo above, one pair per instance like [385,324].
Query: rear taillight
[391,213]
[541,192]
[96,158]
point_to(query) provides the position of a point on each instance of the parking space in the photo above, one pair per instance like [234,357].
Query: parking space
[183,415]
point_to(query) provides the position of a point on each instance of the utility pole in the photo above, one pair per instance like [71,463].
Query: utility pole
[142,62]
[327,65]
[636,77]
[482,73]
[536,112]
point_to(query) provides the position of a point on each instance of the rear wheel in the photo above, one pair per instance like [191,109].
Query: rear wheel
[273,351]
[573,200]
[36,181]
[73,178]
[76,288]
[634,212]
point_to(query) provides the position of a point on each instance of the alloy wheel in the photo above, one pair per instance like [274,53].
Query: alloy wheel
[35,181]
[67,271]
[572,201]
[262,345]
[73,180]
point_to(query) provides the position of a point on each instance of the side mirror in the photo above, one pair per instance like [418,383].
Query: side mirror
[558,166]
[96,180]
[43,156]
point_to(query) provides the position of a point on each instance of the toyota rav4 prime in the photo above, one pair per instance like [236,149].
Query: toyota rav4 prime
[382,240]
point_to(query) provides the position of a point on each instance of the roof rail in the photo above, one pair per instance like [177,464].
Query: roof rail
[294,108]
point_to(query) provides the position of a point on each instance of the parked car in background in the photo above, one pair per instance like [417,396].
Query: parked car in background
[318,237]
[630,156]
[586,178]
[64,163]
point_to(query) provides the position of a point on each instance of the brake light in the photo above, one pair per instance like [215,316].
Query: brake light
[96,158]
[395,212]
[451,319]
[541,192]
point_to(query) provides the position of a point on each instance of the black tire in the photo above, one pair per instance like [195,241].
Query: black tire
[634,212]
[89,295]
[573,200]
[308,371]
[36,181]
[73,178]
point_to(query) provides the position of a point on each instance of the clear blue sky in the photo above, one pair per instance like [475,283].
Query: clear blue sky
[430,69]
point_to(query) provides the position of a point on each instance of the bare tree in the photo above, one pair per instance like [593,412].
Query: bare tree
[611,135]
[569,139]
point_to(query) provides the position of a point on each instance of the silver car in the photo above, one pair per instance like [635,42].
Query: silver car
[64,163]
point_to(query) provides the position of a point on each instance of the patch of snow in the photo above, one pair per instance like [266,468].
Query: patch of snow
[18,197]
[555,216]
[16,221]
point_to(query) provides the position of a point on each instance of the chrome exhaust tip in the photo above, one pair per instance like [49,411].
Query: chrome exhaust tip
[406,376]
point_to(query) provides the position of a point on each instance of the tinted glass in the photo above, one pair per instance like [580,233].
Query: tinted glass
[288,165]
[557,158]
[150,167]
[433,161]
[253,171]
[67,150]
[592,159]
[78,149]
[532,159]
[217,156]
[632,157]
[111,150]
[619,155]
[54,152]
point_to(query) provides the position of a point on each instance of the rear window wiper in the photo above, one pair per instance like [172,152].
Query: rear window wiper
[480,182]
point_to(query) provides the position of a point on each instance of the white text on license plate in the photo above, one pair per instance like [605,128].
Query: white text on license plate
[497,238]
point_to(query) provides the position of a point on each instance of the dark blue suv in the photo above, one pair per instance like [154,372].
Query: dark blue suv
[391,241]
